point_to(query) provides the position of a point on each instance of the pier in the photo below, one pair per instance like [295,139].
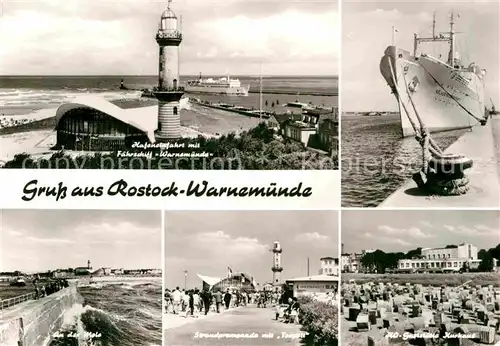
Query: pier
[482,146]
[33,322]
[290,92]
[233,108]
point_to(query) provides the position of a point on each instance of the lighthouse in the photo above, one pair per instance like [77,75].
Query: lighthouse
[168,93]
[276,268]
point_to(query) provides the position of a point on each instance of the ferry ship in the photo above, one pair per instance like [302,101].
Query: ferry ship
[447,95]
[221,86]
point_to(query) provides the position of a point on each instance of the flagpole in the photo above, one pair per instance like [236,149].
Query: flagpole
[393,35]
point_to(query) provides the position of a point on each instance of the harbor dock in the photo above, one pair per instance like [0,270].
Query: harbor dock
[482,145]
[232,108]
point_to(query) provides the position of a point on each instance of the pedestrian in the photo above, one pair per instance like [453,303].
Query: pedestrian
[177,298]
[218,300]
[185,301]
[196,302]
[207,299]
[227,299]
[191,304]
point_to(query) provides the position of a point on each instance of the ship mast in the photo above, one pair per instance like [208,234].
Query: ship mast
[434,25]
[442,37]
[451,59]
[260,93]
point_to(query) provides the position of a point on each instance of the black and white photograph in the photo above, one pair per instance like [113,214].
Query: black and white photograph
[80,277]
[251,278]
[415,277]
[420,98]
[169,84]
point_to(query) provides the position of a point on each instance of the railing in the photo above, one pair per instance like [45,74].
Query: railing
[6,303]
[176,35]
[171,89]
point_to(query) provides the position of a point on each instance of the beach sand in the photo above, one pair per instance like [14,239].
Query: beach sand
[23,116]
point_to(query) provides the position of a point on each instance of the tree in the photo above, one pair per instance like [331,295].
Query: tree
[486,264]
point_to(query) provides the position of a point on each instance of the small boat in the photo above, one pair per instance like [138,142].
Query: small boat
[19,282]
[297,104]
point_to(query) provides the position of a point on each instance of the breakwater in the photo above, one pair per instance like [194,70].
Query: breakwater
[233,108]
[33,323]
[290,92]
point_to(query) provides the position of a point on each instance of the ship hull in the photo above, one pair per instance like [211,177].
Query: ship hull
[445,98]
[215,90]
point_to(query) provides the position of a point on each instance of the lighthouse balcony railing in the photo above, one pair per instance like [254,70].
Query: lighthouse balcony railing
[169,89]
[176,35]
[277,268]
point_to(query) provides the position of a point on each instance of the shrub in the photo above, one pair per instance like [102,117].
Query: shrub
[320,321]
[256,149]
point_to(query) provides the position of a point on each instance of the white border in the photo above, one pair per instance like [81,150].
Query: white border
[325,187]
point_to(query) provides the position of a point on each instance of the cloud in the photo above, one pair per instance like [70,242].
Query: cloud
[99,37]
[397,241]
[49,241]
[412,232]
[14,233]
[122,229]
[478,230]
[426,223]
[219,242]
[12,237]
[312,237]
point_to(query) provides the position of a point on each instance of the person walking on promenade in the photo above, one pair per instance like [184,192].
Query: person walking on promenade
[196,302]
[191,304]
[177,298]
[207,300]
[227,299]
[218,300]
[185,301]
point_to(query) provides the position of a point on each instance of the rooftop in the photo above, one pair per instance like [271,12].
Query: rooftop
[325,278]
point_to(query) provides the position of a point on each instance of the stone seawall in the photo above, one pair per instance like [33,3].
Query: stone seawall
[34,323]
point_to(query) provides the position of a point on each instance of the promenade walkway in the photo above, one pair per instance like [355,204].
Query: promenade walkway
[257,324]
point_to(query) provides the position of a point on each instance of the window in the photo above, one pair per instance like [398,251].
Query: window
[159,126]
[175,110]
[175,86]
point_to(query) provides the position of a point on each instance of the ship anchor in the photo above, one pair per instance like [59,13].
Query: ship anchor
[441,174]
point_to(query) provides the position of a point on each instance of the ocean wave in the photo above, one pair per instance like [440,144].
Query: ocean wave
[33,98]
[91,326]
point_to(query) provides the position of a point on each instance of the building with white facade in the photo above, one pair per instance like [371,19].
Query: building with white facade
[320,287]
[450,258]
[329,266]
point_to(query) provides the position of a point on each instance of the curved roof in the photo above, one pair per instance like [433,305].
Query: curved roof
[168,13]
[146,124]
[209,280]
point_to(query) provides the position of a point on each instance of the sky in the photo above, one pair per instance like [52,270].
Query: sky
[367,31]
[404,230]
[207,243]
[103,37]
[40,240]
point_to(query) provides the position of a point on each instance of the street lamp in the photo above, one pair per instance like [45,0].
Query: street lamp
[185,279]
